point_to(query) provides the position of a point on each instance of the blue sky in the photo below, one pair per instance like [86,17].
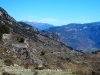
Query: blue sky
[56,12]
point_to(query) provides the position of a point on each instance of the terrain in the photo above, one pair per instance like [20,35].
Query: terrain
[25,48]
[84,37]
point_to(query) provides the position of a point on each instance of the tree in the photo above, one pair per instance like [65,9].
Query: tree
[0,36]
[21,40]
[42,53]
[4,29]
[8,62]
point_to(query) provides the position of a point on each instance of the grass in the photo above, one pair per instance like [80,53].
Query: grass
[53,72]
[22,71]
[18,70]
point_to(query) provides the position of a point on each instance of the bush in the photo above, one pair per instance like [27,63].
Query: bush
[68,59]
[26,66]
[6,73]
[35,73]
[8,62]
[4,29]
[39,67]
[93,73]
[95,52]
[21,40]
[0,36]
[42,53]
[99,69]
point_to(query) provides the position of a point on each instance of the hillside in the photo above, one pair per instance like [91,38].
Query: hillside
[84,37]
[25,45]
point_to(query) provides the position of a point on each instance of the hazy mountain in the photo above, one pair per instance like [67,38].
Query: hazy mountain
[80,36]
[39,25]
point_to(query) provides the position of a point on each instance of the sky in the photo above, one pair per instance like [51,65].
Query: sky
[56,12]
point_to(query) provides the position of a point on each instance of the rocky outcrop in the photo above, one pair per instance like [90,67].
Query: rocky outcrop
[21,49]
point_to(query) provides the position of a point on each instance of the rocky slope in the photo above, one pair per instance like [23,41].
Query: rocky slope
[35,43]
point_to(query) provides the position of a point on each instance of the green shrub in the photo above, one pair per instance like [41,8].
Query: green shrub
[35,73]
[68,59]
[6,73]
[4,29]
[42,53]
[99,69]
[21,40]
[8,62]
[0,35]
[26,66]
[39,67]
[93,73]
[95,52]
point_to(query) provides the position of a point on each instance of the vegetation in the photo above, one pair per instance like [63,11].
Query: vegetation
[26,66]
[95,52]
[42,53]
[20,70]
[99,69]
[21,40]
[6,73]
[23,32]
[8,62]
[0,35]
[68,59]
[4,29]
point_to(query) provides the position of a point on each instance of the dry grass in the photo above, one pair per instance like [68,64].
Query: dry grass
[18,70]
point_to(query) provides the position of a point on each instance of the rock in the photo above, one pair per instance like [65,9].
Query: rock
[6,36]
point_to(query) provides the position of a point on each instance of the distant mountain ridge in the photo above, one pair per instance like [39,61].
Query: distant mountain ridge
[84,37]
[39,25]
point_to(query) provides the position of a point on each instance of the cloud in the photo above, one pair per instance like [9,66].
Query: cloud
[31,16]
[83,19]
[49,20]
[54,21]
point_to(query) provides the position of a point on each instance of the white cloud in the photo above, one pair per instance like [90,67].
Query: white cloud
[49,20]
[32,16]
[83,19]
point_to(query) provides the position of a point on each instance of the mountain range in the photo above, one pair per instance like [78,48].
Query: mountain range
[84,37]
[39,25]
